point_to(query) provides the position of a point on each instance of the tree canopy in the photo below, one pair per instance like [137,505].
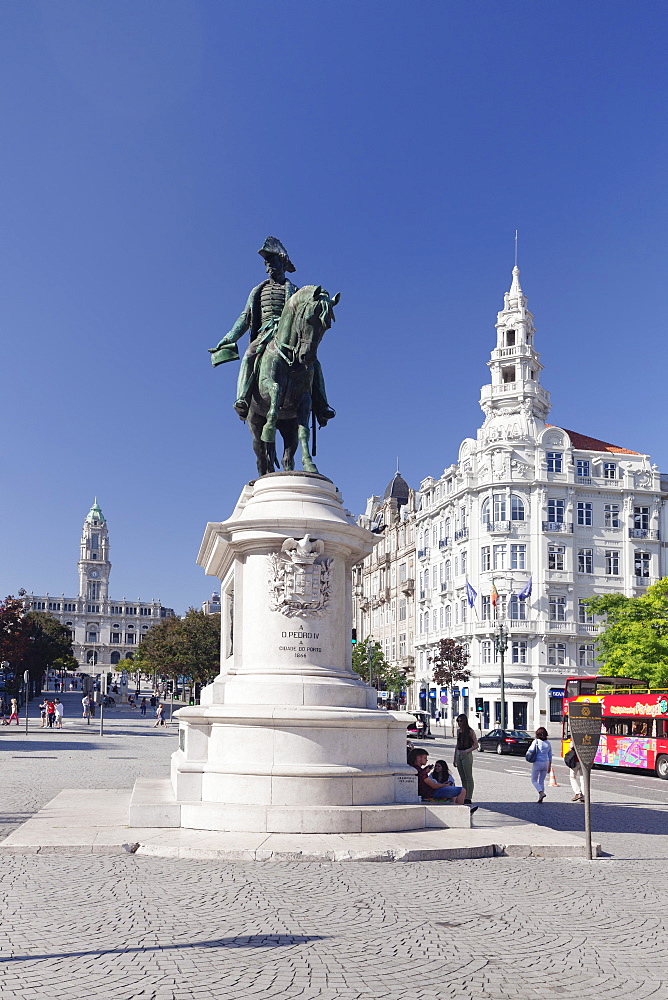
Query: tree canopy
[449,663]
[634,642]
[32,640]
[372,667]
[187,646]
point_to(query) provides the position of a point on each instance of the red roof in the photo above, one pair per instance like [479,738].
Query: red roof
[593,444]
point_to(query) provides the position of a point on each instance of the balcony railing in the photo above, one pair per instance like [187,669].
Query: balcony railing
[423,553]
[651,533]
[462,534]
[423,596]
[443,543]
[643,581]
[407,586]
[558,526]
[554,626]
[588,627]
[498,526]
[583,480]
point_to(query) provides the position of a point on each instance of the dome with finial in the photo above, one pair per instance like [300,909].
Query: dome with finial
[397,489]
[95,513]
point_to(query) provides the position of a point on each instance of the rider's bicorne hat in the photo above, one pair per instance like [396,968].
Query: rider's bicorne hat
[272,245]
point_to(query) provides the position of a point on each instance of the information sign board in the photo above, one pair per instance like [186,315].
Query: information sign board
[584,723]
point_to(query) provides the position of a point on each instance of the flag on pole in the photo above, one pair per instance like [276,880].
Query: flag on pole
[495,594]
[471,594]
[526,591]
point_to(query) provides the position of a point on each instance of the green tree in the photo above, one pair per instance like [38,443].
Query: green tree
[188,646]
[634,642]
[372,667]
[449,662]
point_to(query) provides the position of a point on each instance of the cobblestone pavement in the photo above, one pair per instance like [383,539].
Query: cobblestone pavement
[126,927]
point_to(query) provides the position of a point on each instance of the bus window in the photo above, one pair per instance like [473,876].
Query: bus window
[662,728]
[639,728]
[587,687]
[572,689]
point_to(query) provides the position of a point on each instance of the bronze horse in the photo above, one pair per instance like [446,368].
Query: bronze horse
[281,398]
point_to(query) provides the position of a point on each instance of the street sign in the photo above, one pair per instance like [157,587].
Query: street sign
[584,722]
[444,697]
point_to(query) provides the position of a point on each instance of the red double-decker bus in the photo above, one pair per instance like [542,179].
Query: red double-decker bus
[635,721]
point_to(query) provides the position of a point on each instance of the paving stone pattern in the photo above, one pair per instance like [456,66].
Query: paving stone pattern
[136,928]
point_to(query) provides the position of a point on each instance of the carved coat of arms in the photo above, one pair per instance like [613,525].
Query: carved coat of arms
[300,579]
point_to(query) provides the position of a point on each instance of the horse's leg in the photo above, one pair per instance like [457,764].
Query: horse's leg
[288,429]
[255,424]
[303,414]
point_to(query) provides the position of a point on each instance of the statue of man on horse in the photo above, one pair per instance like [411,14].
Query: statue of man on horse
[266,394]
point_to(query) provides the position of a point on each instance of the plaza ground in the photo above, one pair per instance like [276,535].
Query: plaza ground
[130,927]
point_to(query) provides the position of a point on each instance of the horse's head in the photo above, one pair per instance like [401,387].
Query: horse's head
[307,314]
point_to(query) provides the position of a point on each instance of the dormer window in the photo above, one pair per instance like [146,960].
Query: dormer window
[510,338]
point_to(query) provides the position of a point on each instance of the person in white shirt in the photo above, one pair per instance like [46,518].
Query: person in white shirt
[59,713]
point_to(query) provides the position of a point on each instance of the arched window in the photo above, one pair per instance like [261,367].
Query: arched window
[448,616]
[115,657]
[484,511]
[448,569]
[516,508]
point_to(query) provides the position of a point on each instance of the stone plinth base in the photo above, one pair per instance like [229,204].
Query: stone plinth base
[154,804]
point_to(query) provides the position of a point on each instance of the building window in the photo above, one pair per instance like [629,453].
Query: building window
[585,560]
[612,562]
[486,651]
[129,638]
[499,557]
[95,540]
[518,556]
[402,609]
[91,637]
[585,616]
[518,651]
[609,470]
[557,609]
[583,468]
[486,608]
[464,561]
[641,562]
[611,515]
[516,508]
[585,513]
[402,645]
[131,611]
[145,611]
[555,556]
[448,569]
[499,507]
[402,573]
[115,636]
[464,605]
[555,461]
[517,609]
[556,654]
[448,616]
[115,610]
[641,518]
[485,558]
[555,510]
[434,620]
[586,654]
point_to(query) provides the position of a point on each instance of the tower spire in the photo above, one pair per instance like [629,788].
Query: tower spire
[514,363]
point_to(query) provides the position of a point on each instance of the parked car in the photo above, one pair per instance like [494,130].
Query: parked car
[506,741]
[421,728]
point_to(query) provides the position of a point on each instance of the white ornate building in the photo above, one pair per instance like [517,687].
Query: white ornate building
[104,631]
[528,501]
[384,583]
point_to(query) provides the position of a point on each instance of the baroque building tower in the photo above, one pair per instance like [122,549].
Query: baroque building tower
[104,631]
[531,521]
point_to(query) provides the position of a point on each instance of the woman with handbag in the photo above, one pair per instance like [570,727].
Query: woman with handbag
[467,742]
[539,755]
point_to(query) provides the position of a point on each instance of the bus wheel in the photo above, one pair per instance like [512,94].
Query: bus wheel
[661,766]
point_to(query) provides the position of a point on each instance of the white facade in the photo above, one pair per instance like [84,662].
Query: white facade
[527,500]
[104,631]
[384,583]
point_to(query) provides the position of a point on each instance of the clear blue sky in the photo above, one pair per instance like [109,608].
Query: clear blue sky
[394,147]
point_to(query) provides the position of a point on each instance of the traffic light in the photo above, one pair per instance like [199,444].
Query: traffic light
[479,706]
[354,637]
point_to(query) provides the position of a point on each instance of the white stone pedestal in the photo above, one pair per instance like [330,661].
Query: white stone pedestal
[287,738]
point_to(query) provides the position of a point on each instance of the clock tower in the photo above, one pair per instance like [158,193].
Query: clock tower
[94,565]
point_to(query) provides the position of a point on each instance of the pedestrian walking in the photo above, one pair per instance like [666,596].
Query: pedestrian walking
[467,742]
[572,762]
[4,711]
[160,715]
[143,706]
[60,711]
[539,755]
[15,712]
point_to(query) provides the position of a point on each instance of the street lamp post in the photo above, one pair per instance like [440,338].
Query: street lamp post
[26,681]
[501,645]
